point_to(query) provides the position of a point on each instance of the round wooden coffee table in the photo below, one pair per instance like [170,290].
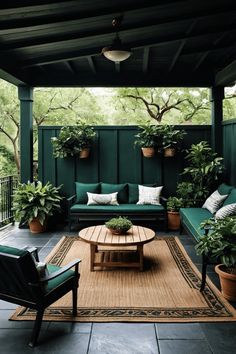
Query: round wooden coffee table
[100,236]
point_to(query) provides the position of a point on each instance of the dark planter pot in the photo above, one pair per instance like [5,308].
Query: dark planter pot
[169,152]
[84,154]
[173,220]
[227,282]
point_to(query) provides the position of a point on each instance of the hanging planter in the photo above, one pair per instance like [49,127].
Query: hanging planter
[74,141]
[148,151]
[169,152]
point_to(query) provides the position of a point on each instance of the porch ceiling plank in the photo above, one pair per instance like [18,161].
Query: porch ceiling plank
[226,75]
[92,65]
[146,59]
[150,41]
[10,78]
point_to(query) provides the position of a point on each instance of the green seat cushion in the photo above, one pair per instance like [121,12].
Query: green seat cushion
[122,208]
[231,199]
[224,189]
[192,218]
[13,251]
[134,192]
[122,189]
[83,188]
[52,284]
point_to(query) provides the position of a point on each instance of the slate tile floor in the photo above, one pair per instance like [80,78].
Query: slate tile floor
[109,338]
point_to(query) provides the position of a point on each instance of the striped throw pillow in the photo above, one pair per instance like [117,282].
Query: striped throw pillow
[214,202]
[226,210]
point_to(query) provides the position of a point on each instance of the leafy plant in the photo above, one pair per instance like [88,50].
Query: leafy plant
[148,136]
[120,224]
[220,242]
[185,191]
[72,140]
[203,171]
[174,203]
[171,138]
[33,200]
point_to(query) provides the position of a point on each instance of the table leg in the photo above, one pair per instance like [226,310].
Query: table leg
[92,256]
[140,252]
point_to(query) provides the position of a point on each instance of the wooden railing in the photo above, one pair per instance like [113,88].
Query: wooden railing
[7,185]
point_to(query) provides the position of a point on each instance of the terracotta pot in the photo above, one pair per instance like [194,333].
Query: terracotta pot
[173,220]
[169,152]
[36,227]
[227,282]
[84,153]
[148,151]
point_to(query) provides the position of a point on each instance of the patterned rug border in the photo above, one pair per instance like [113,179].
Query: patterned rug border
[219,309]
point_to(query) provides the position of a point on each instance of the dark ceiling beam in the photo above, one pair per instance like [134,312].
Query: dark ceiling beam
[149,42]
[117,66]
[117,79]
[227,76]
[181,46]
[48,39]
[11,6]
[146,53]
[205,55]
[92,65]
[69,66]
[11,78]
[113,10]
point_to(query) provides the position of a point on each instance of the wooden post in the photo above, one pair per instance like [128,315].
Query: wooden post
[25,94]
[217,96]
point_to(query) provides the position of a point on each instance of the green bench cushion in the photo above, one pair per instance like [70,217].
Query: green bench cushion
[122,189]
[224,189]
[122,208]
[231,198]
[192,218]
[83,188]
[52,284]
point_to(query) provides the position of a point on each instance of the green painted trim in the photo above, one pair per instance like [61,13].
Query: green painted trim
[229,121]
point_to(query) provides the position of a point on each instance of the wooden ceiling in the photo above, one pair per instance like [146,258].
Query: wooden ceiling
[173,42]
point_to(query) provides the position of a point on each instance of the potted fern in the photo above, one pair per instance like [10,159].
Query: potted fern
[148,139]
[119,225]
[171,140]
[34,203]
[220,244]
[76,140]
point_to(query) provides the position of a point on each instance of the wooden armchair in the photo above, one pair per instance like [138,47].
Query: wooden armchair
[20,283]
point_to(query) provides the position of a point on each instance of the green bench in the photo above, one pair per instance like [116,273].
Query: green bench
[128,195]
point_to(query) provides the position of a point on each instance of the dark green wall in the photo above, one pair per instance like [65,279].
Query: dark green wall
[114,159]
[229,150]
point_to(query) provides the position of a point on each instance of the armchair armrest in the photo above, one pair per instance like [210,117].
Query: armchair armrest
[64,269]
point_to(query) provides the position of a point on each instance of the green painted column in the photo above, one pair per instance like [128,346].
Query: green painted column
[217,96]
[25,94]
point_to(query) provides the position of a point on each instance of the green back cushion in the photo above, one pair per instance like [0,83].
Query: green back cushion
[122,189]
[224,189]
[83,188]
[12,250]
[231,198]
[134,192]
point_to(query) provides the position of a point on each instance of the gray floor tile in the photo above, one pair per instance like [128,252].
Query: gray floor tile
[4,305]
[6,323]
[70,327]
[221,337]
[179,331]
[184,347]
[125,338]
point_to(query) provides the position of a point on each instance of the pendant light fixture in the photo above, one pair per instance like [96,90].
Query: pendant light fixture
[116,51]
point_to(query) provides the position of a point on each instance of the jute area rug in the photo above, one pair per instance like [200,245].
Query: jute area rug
[166,291]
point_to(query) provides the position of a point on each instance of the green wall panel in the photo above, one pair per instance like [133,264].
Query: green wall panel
[114,159]
[229,150]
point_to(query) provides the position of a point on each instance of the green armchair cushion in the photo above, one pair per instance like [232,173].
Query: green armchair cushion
[52,284]
[83,188]
[192,218]
[122,189]
[231,199]
[13,251]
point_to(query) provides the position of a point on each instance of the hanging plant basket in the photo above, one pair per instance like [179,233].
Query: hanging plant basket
[148,152]
[169,152]
[84,154]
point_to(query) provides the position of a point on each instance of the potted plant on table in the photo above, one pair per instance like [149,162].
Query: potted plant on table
[220,244]
[119,225]
[173,205]
[148,139]
[34,203]
[73,141]
[171,140]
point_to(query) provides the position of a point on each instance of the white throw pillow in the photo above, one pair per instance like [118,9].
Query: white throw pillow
[214,202]
[102,199]
[226,210]
[149,195]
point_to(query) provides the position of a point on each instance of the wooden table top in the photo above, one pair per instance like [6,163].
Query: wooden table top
[100,235]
